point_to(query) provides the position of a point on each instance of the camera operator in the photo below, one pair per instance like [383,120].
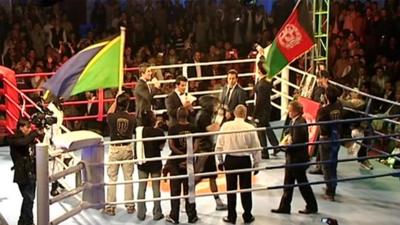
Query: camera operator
[23,156]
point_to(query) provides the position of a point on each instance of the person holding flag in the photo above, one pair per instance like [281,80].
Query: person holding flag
[293,39]
[122,126]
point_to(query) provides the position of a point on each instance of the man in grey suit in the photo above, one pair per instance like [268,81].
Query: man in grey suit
[143,92]
[232,94]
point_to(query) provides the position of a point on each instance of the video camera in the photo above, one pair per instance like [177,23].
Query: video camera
[43,119]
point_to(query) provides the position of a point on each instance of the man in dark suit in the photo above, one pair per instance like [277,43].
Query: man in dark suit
[177,99]
[262,112]
[92,110]
[198,71]
[298,154]
[143,93]
[232,94]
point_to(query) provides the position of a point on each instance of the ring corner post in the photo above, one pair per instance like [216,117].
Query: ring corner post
[42,171]
[93,158]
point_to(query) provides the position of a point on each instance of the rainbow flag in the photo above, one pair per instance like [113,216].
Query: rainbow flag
[295,38]
[97,66]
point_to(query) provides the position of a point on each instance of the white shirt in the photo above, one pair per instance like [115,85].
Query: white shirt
[238,141]
[231,91]
[198,69]
[90,102]
[181,96]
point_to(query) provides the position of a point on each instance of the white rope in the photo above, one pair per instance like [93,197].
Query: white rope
[205,63]
[181,156]
[67,194]
[287,82]
[70,170]
[200,134]
[347,88]
[282,94]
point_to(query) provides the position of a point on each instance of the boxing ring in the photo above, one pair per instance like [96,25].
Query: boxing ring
[89,195]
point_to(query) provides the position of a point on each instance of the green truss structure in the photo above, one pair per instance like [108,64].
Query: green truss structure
[319,55]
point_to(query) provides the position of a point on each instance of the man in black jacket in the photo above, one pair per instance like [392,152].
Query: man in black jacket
[232,94]
[297,154]
[332,111]
[262,112]
[177,98]
[143,92]
[22,155]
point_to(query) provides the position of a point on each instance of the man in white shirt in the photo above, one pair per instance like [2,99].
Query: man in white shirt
[240,160]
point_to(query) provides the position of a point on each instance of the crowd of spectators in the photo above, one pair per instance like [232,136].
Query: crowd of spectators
[363,51]
[38,39]
[363,54]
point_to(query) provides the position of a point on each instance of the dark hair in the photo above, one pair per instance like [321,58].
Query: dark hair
[122,102]
[331,93]
[297,106]
[143,67]
[92,92]
[260,66]
[207,102]
[179,79]
[22,122]
[181,113]
[148,119]
[233,71]
[323,74]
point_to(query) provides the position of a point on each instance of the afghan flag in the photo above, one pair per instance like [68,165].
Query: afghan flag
[295,38]
[97,66]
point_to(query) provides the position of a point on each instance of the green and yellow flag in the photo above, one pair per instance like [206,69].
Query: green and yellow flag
[97,66]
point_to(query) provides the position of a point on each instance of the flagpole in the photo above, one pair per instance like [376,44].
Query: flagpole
[121,62]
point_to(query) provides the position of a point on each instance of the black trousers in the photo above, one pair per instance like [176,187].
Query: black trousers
[233,163]
[262,136]
[176,186]
[28,194]
[361,153]
[329,152]
[297,174]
